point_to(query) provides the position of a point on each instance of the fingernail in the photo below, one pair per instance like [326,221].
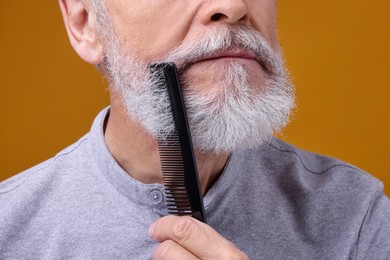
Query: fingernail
[151,229]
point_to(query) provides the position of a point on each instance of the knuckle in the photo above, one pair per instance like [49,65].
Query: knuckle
[184,228]
[164,250]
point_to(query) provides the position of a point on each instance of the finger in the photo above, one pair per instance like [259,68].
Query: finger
[171,250]
[196,237]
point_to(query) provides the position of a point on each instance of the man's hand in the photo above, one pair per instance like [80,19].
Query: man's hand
[188,238]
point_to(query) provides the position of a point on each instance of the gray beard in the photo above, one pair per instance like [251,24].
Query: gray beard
[240,116]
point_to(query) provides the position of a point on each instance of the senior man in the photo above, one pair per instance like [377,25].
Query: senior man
[103,198]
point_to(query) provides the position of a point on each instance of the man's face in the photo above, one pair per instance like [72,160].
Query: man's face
[236,89]
[151,28]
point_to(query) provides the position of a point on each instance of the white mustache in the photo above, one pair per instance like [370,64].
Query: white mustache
[226,38]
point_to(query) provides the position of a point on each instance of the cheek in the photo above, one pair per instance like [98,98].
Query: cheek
[149,28]
[264,20]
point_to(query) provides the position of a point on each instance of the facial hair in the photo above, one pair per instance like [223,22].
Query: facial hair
[239,114]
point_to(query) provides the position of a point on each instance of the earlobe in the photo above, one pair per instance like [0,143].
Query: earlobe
[81,27]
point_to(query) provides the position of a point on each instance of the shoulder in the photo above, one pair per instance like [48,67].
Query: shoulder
[325,198]
[315,167]
[41,194]
[44,172]
[306,180]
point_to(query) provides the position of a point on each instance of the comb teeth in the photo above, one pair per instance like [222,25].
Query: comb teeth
[172,167]
[178,164]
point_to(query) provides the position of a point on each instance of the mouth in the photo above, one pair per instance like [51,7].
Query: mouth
[233,55]
[230,54]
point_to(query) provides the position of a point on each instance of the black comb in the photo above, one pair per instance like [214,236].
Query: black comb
[178,165]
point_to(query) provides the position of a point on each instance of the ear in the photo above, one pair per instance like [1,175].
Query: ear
[81,27]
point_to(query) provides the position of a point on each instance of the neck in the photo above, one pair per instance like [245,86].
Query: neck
[137,152]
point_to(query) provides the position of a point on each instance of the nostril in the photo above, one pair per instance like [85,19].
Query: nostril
[216,17]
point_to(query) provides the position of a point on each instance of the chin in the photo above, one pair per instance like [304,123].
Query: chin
[214,78]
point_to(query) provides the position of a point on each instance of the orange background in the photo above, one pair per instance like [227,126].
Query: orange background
[338,53]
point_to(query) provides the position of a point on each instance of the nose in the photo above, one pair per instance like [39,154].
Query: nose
[226,11]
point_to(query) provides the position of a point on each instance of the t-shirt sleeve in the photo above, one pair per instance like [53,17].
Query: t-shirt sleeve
[374,237]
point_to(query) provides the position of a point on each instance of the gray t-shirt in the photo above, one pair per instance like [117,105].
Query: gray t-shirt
[275,202]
